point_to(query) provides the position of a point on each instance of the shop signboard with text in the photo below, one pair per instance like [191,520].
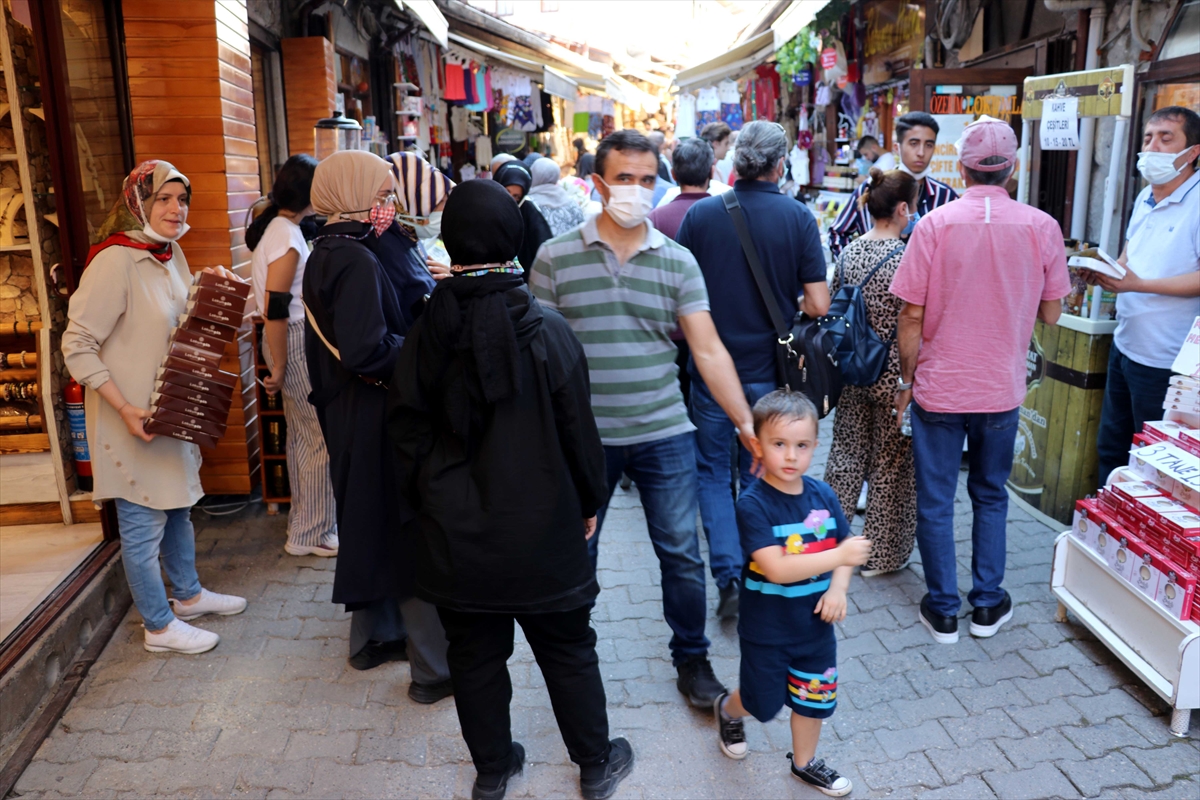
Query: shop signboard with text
[895,39]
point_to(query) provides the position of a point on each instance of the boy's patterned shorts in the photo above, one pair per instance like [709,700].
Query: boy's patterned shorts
[804,676]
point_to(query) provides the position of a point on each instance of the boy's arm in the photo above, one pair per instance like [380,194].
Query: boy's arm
[782,567]
[832,605]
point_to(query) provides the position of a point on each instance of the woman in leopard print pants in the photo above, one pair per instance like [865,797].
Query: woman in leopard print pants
[867,443]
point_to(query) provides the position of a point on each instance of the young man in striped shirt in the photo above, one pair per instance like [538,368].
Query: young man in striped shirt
[916,138]
[622,285]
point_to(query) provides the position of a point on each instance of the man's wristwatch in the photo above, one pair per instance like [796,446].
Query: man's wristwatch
[901,386]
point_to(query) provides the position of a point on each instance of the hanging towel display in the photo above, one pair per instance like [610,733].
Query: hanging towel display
[455,91]
[708,107]
[731,104]
[685,116]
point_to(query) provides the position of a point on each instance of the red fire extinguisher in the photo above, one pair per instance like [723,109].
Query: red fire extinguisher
[73,395]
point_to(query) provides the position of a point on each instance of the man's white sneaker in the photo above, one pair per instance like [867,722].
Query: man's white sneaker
[179,637]
[209,603]
[328,548]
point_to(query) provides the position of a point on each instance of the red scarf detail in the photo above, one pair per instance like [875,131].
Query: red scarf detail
[122,240]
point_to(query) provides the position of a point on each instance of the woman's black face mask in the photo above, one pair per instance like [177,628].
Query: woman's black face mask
[310,225]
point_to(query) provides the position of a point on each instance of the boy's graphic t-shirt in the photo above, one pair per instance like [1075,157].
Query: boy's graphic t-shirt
[810,522]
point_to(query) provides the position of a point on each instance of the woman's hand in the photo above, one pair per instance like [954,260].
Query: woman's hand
[589,527]
[437,269]
[272,383]
[134,419]
[224,273]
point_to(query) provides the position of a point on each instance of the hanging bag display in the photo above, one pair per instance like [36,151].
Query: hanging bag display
[805,357]
[861,355]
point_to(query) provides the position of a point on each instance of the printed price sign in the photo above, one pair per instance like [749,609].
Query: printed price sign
[828,58]
[1060,123]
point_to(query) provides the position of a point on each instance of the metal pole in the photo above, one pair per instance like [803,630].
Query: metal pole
[1113,182]
[1023,175]
[1087,135]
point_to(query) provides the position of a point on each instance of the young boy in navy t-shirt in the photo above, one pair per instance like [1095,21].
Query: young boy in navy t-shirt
[798,559]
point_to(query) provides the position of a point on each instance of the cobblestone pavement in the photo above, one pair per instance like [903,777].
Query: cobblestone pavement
[1041,710]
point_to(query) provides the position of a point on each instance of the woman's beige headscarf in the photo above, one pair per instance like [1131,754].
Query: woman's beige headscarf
[131,210]
[346,183]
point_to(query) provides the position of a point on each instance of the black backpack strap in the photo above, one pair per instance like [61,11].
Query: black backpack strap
[760,278]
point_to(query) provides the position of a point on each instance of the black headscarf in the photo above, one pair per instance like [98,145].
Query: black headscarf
[469,314]
[514,173]
[586,166]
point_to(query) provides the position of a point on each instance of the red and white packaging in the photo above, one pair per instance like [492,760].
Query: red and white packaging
[1176,592]
[1190,440]
[1145,568]
[1151,508]
[1119,557]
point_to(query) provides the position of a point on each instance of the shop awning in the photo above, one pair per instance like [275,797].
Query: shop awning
[730,64]
[789,23]
[531,69]
[554,82]
[430,16]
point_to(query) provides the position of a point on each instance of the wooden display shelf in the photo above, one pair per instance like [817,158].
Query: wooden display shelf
[1161,650]
[269,460]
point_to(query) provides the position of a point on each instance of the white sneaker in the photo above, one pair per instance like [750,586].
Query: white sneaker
[861,505]
[179,637]
[328,548]
[209,603]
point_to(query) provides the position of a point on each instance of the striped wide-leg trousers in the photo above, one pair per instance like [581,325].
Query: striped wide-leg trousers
[313,512]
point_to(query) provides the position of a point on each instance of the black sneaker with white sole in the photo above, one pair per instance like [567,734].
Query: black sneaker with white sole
[600,782]
[986,622]
[697,682]
[493,786]
[943,628]
[823,778]
[731,733]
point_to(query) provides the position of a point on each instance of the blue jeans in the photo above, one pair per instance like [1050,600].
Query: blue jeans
[665,474]
[1133,394]
[714,435]
[145,532]
[937,452]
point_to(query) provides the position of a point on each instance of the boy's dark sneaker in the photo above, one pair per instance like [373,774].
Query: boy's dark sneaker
[429,693]
[944,629]
[493,785]
[600,782]
[986,622]
[375,653]
[821,777]
[727,607]
[697,681]
[731,733]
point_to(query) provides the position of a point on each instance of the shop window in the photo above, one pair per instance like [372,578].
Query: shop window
[1184,38]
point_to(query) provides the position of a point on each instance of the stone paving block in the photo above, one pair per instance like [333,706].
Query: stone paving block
[1051,633]
[912,636]
[291,776]
[988,725]
[1039,716]
[867,622]
[933,681]
[1002,694]
[641,692]
[1010,640]
[142,670]
[849,722]
[956,763]
[260,692]
[868,694]
[1046,746]
[1096,774]
[294,648]
[324,629]
[1006,668]
[862,645]
[1113,703]
[380,747]
[159,693]
[1096,740]
[1180,790]
[909,771]
[61,747]
[446,749]
[1059,684]
[161,717]
[136,776]
[1048,660]
[913,738]
[1102,677]
[207,692]
[214,777]
[202,668]
[1043,781]
[1165,764]
[971,789]
[940,656]
[936,706]
[254,743]
[354,695]
[307,744]
[881,666]
[65,779]
[191,744]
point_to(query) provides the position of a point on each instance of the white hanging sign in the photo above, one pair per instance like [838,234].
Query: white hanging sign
[1060,123]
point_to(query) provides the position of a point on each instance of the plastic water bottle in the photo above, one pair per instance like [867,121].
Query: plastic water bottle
[906,421]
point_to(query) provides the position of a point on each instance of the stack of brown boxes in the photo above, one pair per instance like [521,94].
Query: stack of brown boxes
[192,395]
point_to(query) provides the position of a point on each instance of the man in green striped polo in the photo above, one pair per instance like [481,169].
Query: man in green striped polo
[623,287]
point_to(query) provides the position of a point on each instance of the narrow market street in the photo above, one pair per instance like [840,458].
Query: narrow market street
[1039,711]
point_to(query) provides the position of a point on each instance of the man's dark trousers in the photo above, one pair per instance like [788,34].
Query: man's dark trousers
[1133,394]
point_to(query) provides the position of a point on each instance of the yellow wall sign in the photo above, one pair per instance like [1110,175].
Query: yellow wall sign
[1102,92]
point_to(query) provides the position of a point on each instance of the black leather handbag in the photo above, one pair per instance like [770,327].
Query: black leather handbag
[805,354]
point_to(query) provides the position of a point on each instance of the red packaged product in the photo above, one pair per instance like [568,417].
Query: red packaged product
[235,286]
[218,405]
[214,330]
[183,406]
[198,341]
[1176,591]
[194,383]
[205,373]
[215,314]
[213,296]
[198,424]
[182,352]
[158,427]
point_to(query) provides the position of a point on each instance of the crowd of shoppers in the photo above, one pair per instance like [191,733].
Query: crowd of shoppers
[466,429]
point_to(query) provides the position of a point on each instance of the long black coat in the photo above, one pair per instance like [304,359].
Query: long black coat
[501,509]
[358,310]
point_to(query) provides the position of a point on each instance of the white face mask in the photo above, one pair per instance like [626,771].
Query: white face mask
[433,229]
[629,205]
[1159,168]
[918,175]
[154,235]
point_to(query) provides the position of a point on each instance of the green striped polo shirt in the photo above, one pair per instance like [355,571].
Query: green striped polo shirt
[624,315]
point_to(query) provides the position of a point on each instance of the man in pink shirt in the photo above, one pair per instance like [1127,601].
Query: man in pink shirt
[975,276]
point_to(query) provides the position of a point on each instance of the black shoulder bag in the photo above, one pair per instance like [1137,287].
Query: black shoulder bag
[805,356]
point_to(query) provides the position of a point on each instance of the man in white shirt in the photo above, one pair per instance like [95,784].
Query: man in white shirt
[870,149]
[1159,297]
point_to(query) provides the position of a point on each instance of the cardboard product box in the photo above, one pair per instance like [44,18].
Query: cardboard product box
[1119,556]
[214,330]
[1182,526]
[160,428]
[205,373]
[1163,430]
[1091,522]
[213,296]
[181,351]
[1176,592]
[193,383]
[1123,501]
[198,341]
[183,406]
[236,286]
[1141,440]
[1144,568]
[211,313]
[1184,382]
[1151,508]
[198,424]
[219,406]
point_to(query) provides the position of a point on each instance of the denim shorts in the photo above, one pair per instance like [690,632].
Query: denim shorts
[804,676]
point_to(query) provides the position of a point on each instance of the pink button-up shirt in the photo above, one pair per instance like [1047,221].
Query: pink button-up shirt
[980,267]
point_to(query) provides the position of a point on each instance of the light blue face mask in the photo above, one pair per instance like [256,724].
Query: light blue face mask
[912,223]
